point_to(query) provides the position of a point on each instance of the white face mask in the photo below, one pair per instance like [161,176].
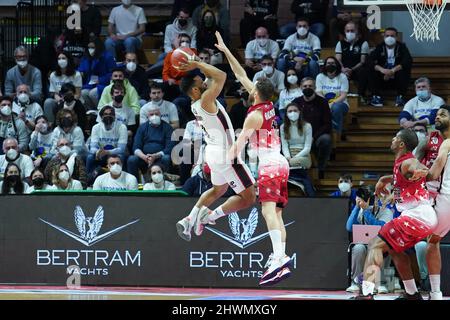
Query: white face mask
[12,154]
[116,169]
[262,42]
[344,186]
[131,66]
[22,64]
[62,63]
[293,115]
[268,69]
[6,111]
[185,44]
[292,79]
[43,128]
[350,36]
[23,98]
[155,120]
[390,41]
[157,178]
[91,51]
[65,150]
[64,176]
[302,31]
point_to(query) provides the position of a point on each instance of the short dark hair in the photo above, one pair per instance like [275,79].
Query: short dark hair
[187,83]
[40,117]
[185,35]
[421,124]
[113,156]
[107,107]
[66,87]
[445,107]
[3,98]
[336,62]
[265,88]
[185,10]
[118,86]
[204,51]
[157,86]
[156,165]
[346,176]
[409,138]
[266,57]
[120,69]
[391,29]
[302,19]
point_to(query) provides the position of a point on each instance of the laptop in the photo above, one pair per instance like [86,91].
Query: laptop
[364,233]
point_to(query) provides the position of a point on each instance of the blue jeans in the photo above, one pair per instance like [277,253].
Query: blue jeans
[301,175]
[131,44]
[312,69]
[288,29]
[338,111]
[134,163]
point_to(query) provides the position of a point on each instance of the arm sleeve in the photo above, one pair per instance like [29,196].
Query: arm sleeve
[94,146]
[169,144]
[352,219]
[370,219]
[78,141]
[284,142]
[29,167]
[138,139]
[173,113]
[33,141]
[9,83]
[308,141]
[248,51]
[338,49]
[22,135]
[167,40]
[36,86]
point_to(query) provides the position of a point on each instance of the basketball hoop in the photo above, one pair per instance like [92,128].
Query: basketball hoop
[426,15]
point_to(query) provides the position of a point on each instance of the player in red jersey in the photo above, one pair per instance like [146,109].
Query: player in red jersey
[416,222]
[273,170]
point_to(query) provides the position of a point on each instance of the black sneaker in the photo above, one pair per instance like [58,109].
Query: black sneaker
[406,296]
[363,297]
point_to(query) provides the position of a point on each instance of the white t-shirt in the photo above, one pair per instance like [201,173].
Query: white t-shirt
[167,186]
[124,115]
[41,144]
[73,185]
[391,57]
[32,111]
[277,78]
[56,82]
[193,131]
[26,188]
[105,182]
[419,109]
[331,88]
[117,135]
[127,20]
[286,97]
[46,187]
[307,45]
[24,162]
[254,51]
[168,110]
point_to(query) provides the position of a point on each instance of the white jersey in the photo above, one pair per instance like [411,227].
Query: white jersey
[217,127]
[445,184]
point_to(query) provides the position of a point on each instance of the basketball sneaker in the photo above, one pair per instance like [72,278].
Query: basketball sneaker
[202,220]
[282,274]
[183,229]
[436,295]
[286,261]
[406,296]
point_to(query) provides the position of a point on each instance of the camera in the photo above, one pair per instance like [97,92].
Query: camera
[366,193]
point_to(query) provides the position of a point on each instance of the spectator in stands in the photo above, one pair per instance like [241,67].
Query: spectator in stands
[12,182]
[158,182]
[199,183]
[238,111]
[204,56]
[390,67]
[296,141]
[65,156]
[422,108]
[221,13]
[116,179]
[332,84]
[11,126]
[67,127]
[301,51]
[152,144]
[314,10]
[65,73]
[72,44]
[137,77]
[192,143]
[352,52]
[41,142]
[338,17]
[96,67]
[256,14]
[26,109]
[366,212]
[189,5]
[62,179]
[422,136]
[38,181]
[130,96]
[268,71]
[23,73]
[345,184]
[91,21]
[69,101]
[109,137]
[182,24]
[168,110]
[258,48]
[206,37]
[126,24]
[316,112]
[291,91]
[13,155]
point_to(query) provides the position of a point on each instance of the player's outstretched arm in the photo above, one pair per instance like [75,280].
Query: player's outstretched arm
[253,122]
[240,73]
[413,170]
[439,164]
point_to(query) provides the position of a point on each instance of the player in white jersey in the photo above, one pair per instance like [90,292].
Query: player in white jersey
[219,137]
[440,168]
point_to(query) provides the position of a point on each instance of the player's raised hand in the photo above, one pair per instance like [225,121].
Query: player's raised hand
[419,174]
[220,44]
[380,188]
[189,65]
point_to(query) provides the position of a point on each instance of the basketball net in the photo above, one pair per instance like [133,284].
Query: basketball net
[426,15]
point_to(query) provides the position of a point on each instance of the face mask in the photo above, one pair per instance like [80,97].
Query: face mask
[6,110]
[131,66]
[91,51]
[262,42]
[185,44]
[12,154]
[62,63]
[126,2]
[157,178]
[13,179]
[350,36]
[292,79]
[302,31]
[23,98]
[65,151]
[293,116]
[155,120]
[43,128]
[308,92]
[64,176]
[330,68]
[116,169]
[66,123]
[268,69]
[344,186]
[209,22]
[118,98]
[422,94]
[22,64]
[38,182]
[108,120]
[390,41]
[69,98]
[182,22]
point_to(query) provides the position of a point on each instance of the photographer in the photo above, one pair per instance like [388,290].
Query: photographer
[368,210]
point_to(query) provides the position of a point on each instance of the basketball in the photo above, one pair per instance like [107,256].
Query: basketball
[182,55]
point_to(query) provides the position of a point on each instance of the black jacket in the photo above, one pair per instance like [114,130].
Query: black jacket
[401,52]
[139,80]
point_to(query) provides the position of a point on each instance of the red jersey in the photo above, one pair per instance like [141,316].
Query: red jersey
[432,148]
[267,136]
[408,194]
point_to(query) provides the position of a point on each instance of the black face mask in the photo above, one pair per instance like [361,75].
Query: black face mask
[69,98]
[118,98]
[182,22]
[13,179]
[108,120]
[330,68]
[308,92]
[66,123]
[209,22]
[38,182]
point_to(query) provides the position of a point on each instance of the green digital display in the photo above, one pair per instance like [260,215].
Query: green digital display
[31,40]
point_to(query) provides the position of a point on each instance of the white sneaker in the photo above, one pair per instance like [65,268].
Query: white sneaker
[382,290]
[274,268]
[184,229]
[397,287]
[354,288]
[202,219]
[269,261]
[435,295]
[285,262]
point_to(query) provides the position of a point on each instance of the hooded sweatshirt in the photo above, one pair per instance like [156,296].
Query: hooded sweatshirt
[174,29]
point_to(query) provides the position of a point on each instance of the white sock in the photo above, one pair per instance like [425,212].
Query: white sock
[435,282]
[275,236]
[410,286]
[192,215]
[284,248]
[216,214]
[368,287]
